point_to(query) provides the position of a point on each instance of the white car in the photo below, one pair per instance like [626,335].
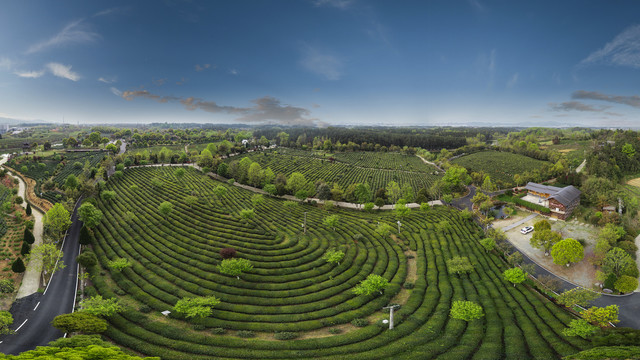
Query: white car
[526,230]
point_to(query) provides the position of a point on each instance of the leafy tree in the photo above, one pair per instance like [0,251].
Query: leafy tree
[219,191]
[105,351]
[57,220]
[479,198]
[580,327]
[179,173]
[18,266]
[333,256]
[270,189]
[393,191]
[611,233]
[544,239]
[89,215]
[205,159]
[368,207]
[425,207]
[514,275]
[6,286]
[50,256]
[363,193]
[601,316]
[197,307]
[119,264]
[71,182]
[247,214]
[454,178]
[26,248]
[629,150]
[331,221]
[85,236]
[6,319]
[577,296]
[323,191]
[255,174]
[401,210]
[296,182]
[87,259]
[28,210]
[80,322]
[459,265]
[165,209]
[466,310]
[190,200]
[488,244]
[542,225]
[234,267]
[617,261]
[98,306]
[384,229]
[373,283]
[567,251]
[487,184]
[301,194]
[257,199]
[626,284]
[223,169]
[108,195]
[28,237]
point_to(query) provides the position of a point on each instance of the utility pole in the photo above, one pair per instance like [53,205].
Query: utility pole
[391,308]
[399,224]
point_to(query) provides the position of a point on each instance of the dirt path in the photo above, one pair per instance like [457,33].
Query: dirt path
[430,163]
[581,166]
[31,279]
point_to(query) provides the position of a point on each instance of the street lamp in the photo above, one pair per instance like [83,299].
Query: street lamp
[391,308]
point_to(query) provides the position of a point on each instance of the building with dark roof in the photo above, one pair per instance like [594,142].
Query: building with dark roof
[561,201]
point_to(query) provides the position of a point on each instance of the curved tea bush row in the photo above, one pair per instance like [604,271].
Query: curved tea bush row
[500,166]
[291,289]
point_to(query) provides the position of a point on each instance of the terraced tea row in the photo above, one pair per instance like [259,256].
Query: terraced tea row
[292,289]
[364,167]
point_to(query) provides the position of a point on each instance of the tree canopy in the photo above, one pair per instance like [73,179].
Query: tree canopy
[466,310]
[373,283]
[567,251]
[196,307]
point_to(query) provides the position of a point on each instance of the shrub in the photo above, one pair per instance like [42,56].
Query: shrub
[18,266]
[218,331]
[285,335]
[145,309]
[87,259]
[360,322]
[246,334]
[408,285]
[335,331]
[227,253]
[199,327]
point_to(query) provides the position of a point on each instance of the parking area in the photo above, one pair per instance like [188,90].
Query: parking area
[582,273]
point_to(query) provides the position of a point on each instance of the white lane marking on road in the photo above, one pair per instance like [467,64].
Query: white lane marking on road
[38,304]
[75,296]
[21,325]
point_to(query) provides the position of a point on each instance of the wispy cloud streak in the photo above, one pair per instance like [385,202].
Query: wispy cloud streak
[75,32]
[623,50]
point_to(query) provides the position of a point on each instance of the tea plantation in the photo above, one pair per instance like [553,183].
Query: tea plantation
[499,165]
[292,289]
[375,168]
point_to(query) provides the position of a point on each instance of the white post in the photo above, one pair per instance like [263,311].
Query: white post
[391,318]
[399,226]
[305,222]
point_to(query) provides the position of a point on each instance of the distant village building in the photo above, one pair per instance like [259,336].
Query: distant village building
[561,201]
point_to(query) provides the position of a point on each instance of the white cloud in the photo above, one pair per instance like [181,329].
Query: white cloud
[75,32]
[340,4]
[623,50]
[115,91]
[322,64]
[63,71]
[30,74]
[233,71]
[107,80]
[476,5]
[513,80]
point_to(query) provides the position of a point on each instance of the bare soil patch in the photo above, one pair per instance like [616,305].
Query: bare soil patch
[634,182]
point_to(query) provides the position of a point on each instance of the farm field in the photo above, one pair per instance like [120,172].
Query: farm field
[500,166]
[292,289]
[56,167]
[375,168]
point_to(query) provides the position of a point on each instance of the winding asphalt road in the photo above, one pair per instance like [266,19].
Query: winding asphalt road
[33,314]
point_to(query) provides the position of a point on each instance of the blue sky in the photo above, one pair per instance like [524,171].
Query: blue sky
[319,62]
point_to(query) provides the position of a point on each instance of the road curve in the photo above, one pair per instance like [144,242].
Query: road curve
[33,314]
